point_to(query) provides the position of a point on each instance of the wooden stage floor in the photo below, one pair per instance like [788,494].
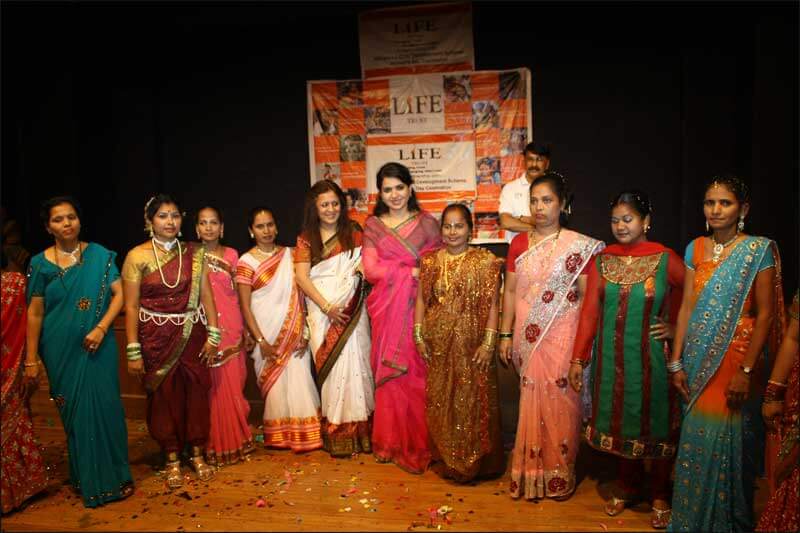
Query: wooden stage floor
[311,492]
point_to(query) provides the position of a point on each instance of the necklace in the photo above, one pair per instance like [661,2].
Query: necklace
[448,259]
[553,236]
[158,264]
[76,254]
[719,247]
[264,253]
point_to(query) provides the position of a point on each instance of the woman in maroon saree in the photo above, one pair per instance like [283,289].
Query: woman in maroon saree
[395,239]
[167,306]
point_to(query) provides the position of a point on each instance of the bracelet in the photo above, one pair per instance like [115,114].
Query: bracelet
[578,362]
[101,328]
[674,366]
[774,392]
[505,335]
[418,338]
[489,338]
[214,335]
[31,364]
[327,307]
[776,383]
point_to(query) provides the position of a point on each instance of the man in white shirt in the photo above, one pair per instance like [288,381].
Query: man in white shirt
[515,203]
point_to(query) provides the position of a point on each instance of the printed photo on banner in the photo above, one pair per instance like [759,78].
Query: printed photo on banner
[325,122]
[352,148]
[488,171]
[457,88]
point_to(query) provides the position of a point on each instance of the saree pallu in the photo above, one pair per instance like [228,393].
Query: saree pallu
[229,436]
[291,401]
[547,310]
[399,430]
[462,406]
[719,451]
[84,386]
[176,380]
[781,511]
[23,472]
[341,354]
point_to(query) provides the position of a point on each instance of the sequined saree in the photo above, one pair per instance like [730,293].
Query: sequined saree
[462,407]
[399,431]
[341,352]
[172,333]
[84,386]
[720,450]
[547,306]
[291,401]
[23,472]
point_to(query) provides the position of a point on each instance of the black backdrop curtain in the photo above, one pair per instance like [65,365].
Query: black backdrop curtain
[114,102]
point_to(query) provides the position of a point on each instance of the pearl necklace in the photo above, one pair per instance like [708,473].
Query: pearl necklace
[158,264]
[719,247]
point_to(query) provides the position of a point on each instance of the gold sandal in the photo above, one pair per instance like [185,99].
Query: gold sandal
[173,470]
[203,471]
[660,518]
[615,505]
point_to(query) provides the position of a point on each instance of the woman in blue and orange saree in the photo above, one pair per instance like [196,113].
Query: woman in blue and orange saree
[731,312]
[74,294]
[173,338]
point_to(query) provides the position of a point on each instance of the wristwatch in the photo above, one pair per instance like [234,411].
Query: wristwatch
[746,369]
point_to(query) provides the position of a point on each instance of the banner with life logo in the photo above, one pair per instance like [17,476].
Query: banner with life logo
[461,134]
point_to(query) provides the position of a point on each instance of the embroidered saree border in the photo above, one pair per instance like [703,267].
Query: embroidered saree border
[355,306]
[712,323]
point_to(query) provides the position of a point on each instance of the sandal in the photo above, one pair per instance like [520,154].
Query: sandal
[660,518]
[126,490]
[203,471]
[615,505]
[174,476]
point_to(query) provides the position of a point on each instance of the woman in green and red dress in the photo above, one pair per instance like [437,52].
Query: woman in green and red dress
[632,299]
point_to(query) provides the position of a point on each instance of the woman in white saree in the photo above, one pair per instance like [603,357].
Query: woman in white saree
[274,311]
[328,270]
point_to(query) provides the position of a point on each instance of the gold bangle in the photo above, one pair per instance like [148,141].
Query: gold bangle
[31,364]
[101,328]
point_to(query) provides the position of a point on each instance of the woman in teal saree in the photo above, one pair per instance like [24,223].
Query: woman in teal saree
[729,315]
[74,294]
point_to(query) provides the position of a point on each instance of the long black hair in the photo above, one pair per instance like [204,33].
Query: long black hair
[400,172]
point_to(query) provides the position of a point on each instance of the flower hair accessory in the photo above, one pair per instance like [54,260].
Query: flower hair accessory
[148,226]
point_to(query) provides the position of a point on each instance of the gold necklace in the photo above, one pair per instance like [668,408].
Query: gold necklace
[161,271]
[716,252]
[552,246]
[76,254]
[448,259]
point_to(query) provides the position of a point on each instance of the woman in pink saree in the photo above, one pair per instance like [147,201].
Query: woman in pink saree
[395,239]
[545,280]
[229,436]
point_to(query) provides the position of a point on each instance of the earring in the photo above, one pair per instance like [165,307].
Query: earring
[740,225]
[252,236]
[646,229]
[708,228]
[150,231]
[180,234]
[221,234]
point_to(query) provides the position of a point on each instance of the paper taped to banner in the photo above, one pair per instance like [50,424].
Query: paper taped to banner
[416,39]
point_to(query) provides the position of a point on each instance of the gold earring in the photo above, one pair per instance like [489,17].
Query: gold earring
[252,236]
[740,225]
[708,228]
